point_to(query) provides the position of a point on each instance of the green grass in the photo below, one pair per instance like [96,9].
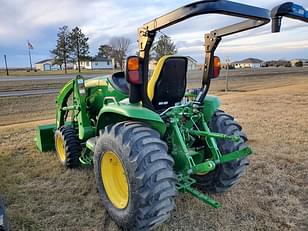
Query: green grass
[39,73]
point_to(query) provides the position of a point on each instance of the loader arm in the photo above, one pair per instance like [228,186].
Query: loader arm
[76,88]
[61,102]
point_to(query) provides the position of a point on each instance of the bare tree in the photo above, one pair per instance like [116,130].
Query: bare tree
[120,47]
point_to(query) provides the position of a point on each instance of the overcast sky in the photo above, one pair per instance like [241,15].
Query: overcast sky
[38,21]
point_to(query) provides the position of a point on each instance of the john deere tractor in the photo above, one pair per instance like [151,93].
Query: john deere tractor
[290,10]
[149,138]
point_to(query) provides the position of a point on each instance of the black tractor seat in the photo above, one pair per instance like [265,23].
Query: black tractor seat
[167,85]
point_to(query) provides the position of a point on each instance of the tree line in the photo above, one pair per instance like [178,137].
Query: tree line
[72,46]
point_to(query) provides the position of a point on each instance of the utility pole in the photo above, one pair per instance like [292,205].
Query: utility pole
[7,70]
[30,60]
[227,75]
[30,47]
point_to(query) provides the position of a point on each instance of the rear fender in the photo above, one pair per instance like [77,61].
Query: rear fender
[116,112]
[211,104]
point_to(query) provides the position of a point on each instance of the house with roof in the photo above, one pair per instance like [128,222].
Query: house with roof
[95,63]
[295,61]
[248,63]
[191,64]
[47,65]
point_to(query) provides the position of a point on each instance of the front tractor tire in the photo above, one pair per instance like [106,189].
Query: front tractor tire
[225,175]
[68,146]
[134,175]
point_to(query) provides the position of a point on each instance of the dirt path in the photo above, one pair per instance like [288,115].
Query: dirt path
[30,124]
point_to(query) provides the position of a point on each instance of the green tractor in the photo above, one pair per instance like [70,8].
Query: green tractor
[151,137]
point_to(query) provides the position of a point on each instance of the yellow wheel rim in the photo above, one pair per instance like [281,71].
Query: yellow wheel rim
[60,148]
[114,179]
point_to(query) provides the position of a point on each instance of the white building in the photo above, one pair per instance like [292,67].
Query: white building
[46,65]
[95,63]
[152,64]
[248,63]
[304,61]
[191,65]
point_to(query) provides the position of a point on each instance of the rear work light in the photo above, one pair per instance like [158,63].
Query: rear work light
[133,70]
[216,67]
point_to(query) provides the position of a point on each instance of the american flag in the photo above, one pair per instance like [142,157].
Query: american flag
[30,45]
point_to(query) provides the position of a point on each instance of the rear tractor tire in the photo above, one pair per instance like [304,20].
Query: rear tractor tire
[134,175]
[225,175]
[68,146]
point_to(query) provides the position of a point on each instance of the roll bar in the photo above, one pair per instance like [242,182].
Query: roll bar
[256,17]
[290,10]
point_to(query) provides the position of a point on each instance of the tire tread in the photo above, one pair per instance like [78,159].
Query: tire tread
[153,178]
[226,175]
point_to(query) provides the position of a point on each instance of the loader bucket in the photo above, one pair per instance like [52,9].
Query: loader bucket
[44,137]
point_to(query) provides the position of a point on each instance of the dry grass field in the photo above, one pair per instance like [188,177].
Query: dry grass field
[273,110]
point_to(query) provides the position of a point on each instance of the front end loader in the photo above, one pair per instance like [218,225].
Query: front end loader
[149,138]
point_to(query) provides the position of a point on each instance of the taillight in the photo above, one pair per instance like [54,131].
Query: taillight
[133,70]
[216,67]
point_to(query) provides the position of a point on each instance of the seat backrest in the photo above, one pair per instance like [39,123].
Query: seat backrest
[168,82]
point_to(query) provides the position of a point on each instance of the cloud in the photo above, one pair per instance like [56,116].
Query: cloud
[38,21]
